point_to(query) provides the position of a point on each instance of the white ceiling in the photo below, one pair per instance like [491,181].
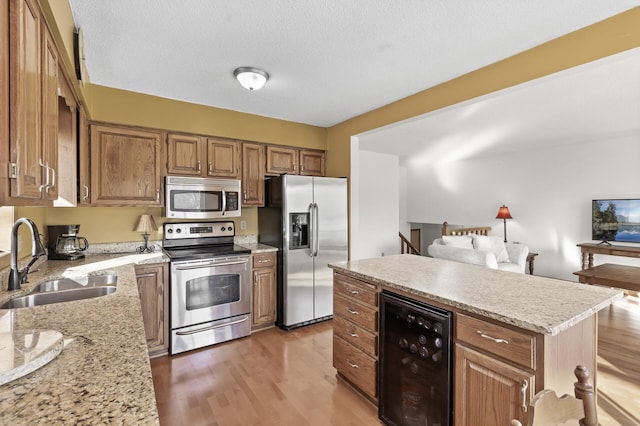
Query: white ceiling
[595,101]
[329,60]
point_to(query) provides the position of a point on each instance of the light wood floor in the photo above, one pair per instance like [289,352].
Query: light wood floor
[286,378]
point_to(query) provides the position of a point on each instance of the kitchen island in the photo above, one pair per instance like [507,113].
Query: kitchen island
[102,375]
[513,334]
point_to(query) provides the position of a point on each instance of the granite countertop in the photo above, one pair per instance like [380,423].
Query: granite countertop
[103,373]
[543,305]
[258,247]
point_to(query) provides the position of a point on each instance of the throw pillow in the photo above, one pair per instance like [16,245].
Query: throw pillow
[493,245]
[460,241]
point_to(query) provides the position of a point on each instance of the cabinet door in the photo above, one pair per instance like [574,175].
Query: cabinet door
[281,160]
[154,303]
[489,391]
[311,163]
[84,159]
[25,98]
[125,166]
[264,296]
[252,174]
[49,117]
[184,155]
[223,158]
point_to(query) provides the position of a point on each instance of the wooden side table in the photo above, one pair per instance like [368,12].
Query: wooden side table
[531,257]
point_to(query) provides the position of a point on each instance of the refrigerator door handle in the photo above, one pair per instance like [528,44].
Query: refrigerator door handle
[316,237]
[312,235]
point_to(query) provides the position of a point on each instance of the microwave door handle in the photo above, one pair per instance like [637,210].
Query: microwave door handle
[224,201]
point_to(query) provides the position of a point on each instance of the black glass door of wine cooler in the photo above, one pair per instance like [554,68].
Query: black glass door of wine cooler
[415,363]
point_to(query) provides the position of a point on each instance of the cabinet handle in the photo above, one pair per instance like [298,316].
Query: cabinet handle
[46,169]
[210,168]
[263,261]
[352,365]
[244,195]
[352,334]
[351,311]
[523,395]
[53,177]
[486,336]
[86,192]
[198,166]
[158,195]
[352,291]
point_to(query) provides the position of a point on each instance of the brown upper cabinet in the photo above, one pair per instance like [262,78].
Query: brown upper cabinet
[84,159]
[125,166]
[200,156]
[252,174]
[293,161]
[32,62]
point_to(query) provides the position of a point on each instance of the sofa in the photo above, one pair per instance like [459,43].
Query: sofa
[483,250]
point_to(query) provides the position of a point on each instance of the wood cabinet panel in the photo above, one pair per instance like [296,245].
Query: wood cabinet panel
[355,289]
[355,335]
[311,163]
[281,160]
[25,97]
[153,289]
[364,316]
[263,312]
[49,116]
[84,159]
[184,154]
[125,166]
[223,158]
[252,174]
[356,366]
[488,391]
[513,345]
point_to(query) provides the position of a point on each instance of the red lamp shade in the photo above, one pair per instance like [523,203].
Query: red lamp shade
[503,213]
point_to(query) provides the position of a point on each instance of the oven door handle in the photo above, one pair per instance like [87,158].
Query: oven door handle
[204,265]
[211,327]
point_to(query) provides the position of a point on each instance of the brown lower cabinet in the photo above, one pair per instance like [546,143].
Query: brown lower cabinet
[263,313]
[153,280]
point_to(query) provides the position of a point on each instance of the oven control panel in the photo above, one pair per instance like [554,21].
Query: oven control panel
[174,231]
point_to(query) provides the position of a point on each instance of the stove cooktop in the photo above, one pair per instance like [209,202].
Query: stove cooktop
[205,252]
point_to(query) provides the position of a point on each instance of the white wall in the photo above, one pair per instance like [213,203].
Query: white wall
[548,192]
[375,201]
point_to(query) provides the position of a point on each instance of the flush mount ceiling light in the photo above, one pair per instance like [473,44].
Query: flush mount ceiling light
[251,78]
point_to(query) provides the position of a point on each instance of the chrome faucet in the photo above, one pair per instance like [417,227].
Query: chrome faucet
[17,277]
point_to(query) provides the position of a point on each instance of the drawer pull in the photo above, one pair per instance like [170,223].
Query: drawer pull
[523,395]
[352,365]
[263,261]
[486,336]
[352,334]
[351,311]
[353,291]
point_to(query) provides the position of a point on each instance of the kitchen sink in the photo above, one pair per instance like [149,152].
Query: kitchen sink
[47,298]
[69,284]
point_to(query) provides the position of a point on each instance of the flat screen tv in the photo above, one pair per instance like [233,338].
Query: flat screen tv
[616,220]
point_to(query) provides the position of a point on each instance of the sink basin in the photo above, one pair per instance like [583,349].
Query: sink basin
[69,284]
[47,298]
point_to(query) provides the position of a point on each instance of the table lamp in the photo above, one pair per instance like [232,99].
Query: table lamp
[145,225]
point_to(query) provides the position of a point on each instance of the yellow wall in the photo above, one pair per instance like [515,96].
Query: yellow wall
[614,35]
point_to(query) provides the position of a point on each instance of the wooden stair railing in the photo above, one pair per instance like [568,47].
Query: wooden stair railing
[406,246]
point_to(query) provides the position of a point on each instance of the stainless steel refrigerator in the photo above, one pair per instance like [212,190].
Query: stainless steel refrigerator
[306,218]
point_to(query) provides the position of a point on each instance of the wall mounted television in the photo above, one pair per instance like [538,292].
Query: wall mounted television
[616,220]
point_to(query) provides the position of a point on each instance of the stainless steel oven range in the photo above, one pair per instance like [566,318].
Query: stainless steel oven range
[210,284]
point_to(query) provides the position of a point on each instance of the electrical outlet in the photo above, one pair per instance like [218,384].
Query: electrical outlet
[243,224]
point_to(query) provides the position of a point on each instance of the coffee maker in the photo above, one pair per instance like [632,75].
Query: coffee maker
[64,242]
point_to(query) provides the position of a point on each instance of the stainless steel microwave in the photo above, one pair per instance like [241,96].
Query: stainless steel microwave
[201,198]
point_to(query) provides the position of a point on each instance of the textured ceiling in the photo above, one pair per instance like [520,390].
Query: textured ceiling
[329,60]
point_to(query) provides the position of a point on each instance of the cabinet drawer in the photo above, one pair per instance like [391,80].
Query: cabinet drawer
[361,291]
[356,366]
[355,335]
[264,260]
[363,315]
[510,344]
